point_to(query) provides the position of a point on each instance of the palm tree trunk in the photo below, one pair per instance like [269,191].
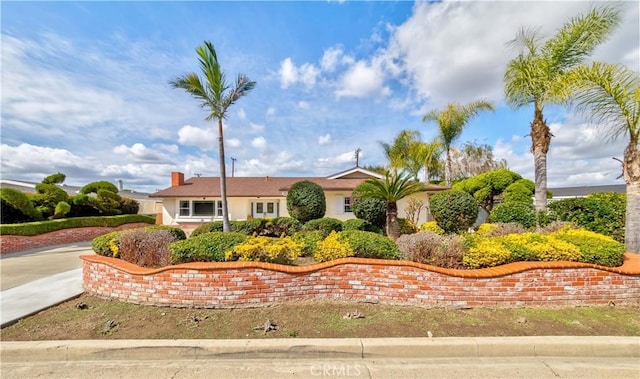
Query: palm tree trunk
[226,225]
[447,169]
[393,227]
[631,170]
[541,139]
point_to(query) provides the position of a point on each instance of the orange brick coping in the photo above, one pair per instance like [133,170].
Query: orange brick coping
[630,266]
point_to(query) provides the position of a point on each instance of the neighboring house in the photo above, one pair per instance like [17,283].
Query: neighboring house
[147,206]
[189,203]
[572,192]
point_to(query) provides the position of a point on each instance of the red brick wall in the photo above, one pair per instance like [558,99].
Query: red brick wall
[241,284]
[12,244]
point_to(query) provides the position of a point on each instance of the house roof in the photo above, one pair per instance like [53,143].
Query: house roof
[251,186]
[586,190]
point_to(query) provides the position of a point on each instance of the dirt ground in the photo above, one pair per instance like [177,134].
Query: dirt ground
[88,317]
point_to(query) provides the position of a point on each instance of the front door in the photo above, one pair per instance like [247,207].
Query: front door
[264,209]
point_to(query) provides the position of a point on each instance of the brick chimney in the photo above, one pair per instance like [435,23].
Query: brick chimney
[177,179]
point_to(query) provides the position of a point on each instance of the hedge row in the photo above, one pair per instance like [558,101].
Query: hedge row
[41,227]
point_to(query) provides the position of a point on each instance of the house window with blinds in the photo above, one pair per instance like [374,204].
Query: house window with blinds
[347,204]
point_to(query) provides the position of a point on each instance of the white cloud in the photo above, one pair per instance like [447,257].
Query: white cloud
[271,111]
[325,139]
[203,138]
[362,80]
[336,161]
[290,74]
[242,115]
[139,153]
[303,105]
[257,128]
[259,142]
[331,59]
[270,164]
[232,142]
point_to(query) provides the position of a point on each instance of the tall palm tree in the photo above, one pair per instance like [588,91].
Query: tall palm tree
[425,155]
[531,77]
[216,95]
[397,153]
[451,121]
[390,190]
[610,95]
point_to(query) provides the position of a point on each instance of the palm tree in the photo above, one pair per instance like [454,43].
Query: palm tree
[424,155]
[397,153]
[451,121]
[610,95]
[216,95]
[390,190]
[531,77]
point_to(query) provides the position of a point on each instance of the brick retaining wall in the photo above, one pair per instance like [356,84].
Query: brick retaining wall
[12,244]
[242,284]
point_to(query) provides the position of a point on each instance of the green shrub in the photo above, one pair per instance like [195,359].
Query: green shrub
[540,247]
[61,209]
[56,178]
[145,247]
[519,191]
[207,247]
[595,248]
[306,201]
[266,249]
[249,227]
[41,227]
[325,225]
[279,226]
[106,244]
[309,241]
[16,207]
[521,213]
[94,187]
[129,206]
[47,198]
[359,224]
[603,213]
[454,210]
[432,248]
[214,226]
[370,245]
[332,248]
[372,210]
[432,226]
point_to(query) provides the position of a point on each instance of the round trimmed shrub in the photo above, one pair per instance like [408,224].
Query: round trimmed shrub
[372,210]
[360,224]
[325,225]
[177,233]
[370,245]
[145,247]
[213,226]
[433,227]
[309,241]
[279,226]
[521,213]
[207,247]
[106,244]
[454,210]
[431,248]
[306,201]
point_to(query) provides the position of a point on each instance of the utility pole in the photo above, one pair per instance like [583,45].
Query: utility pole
[357,155]
[233,166]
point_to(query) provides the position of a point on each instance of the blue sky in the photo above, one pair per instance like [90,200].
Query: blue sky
[85,86]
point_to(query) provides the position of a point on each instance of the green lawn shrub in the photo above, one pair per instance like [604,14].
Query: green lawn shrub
[306,201]
[432,248]
[370,245]
[279,226]
[283,250]
[106,244]
[207,247]
[518,212]
[360,224]
[595,248]
[309,241]
[372,210]
[178,233]
[42,227]
[16,207]
[406,226]
[326,225]
[454,210]
[432,226]
[213,226]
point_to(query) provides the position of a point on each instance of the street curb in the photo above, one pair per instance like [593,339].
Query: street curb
[348,348]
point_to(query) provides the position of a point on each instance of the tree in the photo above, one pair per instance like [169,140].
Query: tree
[397,153]
[216,95]
[532,77]
[473,159]
[610,95]
[486,187]
[425,155]
[451,121]
[390,190]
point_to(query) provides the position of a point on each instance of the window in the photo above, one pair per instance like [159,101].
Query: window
[202,208]
[269,207]
[185,209]
[219,208]
[347,204]
[259,207]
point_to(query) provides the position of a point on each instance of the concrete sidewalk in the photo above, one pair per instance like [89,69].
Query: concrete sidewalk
[37,279]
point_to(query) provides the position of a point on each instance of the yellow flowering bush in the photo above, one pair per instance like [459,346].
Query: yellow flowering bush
[486,229]
[113,246]
[539,247]
[332,248]
[432,226]
[486,253]
[594,247]
[282,250]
